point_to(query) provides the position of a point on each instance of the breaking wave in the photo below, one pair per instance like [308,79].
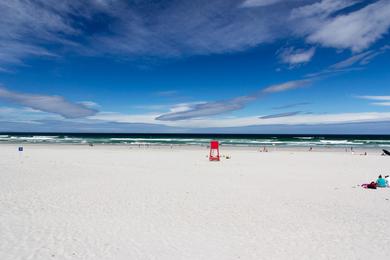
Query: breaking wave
[201,140]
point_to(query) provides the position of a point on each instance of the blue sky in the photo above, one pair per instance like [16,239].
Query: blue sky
[235,66]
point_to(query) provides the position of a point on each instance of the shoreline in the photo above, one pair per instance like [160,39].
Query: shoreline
[259,149]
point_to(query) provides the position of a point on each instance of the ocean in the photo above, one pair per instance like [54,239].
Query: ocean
[362,141]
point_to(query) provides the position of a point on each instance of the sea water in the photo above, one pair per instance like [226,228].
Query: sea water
[369,141]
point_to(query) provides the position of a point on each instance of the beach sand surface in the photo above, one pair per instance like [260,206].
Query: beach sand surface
[116,202]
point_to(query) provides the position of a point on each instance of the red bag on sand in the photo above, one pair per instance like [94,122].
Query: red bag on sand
[372,185]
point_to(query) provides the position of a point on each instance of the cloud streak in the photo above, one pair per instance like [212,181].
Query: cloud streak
[385,100]
[292,105]
[51,104]
[285,86]
[382,98]
[383,104]
[359,59]
[299,119]
[224,106]
[353,63]
[260,3]
[287,114]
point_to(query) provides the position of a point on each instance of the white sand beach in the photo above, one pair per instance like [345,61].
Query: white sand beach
[116,202]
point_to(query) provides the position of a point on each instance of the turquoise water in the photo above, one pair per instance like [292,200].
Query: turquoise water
[372,141]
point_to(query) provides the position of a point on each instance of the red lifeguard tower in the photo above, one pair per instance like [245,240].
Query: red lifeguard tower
[214,151]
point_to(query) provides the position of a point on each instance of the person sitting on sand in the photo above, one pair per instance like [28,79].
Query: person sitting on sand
[382,182]
[372,185]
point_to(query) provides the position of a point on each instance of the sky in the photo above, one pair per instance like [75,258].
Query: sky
[200,66]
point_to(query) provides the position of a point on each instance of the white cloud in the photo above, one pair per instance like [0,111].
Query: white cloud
[356,30]
[182,107]
[51,104]
[294,57]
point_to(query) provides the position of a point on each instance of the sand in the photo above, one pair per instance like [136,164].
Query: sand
[116,202]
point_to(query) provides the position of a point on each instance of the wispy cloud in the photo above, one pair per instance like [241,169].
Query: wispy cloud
[353,60]
[205,122]
[359,59]
[353,63]
[151,107]
[382,98]
[292,105]
[383,104]
[385,100]
[294,57]
[285,86]
[322,9]
[28,26]
[182,28]
[85,126]
[52,104]
[208,109]
[90,104]
[370,127]
[259,3]
[223,106]
[286,114]
[356,30]
[167,93]
[24,115]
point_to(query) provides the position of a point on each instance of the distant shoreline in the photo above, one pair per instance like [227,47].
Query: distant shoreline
[223,148]
[288,142]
